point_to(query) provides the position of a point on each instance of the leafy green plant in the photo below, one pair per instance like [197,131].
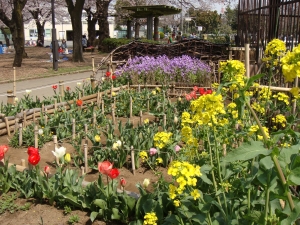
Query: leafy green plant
[7,203]
[73,219]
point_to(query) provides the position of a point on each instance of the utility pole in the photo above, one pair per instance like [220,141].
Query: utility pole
[54,39]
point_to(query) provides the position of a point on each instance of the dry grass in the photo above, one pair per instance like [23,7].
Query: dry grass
[38,64]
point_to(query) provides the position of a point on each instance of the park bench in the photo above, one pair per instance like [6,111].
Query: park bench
[89,49]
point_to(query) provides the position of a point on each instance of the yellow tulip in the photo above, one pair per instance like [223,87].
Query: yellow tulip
[68,157]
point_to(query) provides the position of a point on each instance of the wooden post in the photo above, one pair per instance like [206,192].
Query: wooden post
[139,88]
[94,119]
[23,163]
[85,158]
[24,119]
[224,150]
[102,106]
[247,60]
[33,116]
[141,117]
[93,81]
[85,131]
[46,117]
[20,134]
[73,129]
[61,90]
[230,54]
[55,104]
[130,107]
[15,89]
[55,146]
[16,124]
[132,160]
[10,97]
[36,137]
[148,103]
[164,121]
[113,115]
[7,126]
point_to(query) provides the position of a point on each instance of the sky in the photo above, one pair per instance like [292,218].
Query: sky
[219,7]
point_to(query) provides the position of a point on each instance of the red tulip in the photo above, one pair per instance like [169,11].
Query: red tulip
[33,151]
[108,74]
[193,95]
[54,87]
[3,150]
[46,169]
[122,182]
[201,91]
[34,159]
[188,97]
[113,173]
[195,88]
[105,167]
[68,88]
[208,91]
[79,102]
[113,77]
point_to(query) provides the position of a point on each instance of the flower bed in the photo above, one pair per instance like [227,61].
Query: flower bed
[227,163]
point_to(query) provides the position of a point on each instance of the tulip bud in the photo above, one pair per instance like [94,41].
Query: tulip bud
[179,99]
[41,131]
[146,182]
[47,170]
[175,119]
[68,157]
[122,182]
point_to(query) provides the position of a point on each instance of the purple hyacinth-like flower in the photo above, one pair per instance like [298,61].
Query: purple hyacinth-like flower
[178,67]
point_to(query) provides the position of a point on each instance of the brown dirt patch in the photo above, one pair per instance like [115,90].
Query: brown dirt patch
[55,216]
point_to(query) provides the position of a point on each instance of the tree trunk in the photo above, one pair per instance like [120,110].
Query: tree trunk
[102,10]
[41,33]
[18,36]
[75,12]
[92,31]
[5,36]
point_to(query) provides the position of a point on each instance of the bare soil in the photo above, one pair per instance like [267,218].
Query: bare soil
[37,65]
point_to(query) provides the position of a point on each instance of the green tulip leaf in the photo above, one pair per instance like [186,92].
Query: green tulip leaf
[246,151]
[93,216]
[115,214]
[100,203]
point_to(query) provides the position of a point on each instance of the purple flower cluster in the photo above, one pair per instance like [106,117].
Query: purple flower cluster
[175,69]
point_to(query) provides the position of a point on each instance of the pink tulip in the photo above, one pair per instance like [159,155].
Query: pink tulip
[177,148]
[105,167]
[153,151]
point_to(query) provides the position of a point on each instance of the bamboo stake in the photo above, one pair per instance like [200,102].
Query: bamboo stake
[20,134]
[85,158]
[130,107]
[85,131]
[15,89]
[73,129]
[247,60]
[23,163]
[55,104]
[132,160]
[55,146]
[148,103]
[141,117]
[113,115]
[36,140]
[164,121]
[46,116]
[24,119]
[61,90]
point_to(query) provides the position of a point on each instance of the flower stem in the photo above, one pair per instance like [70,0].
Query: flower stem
[274,158]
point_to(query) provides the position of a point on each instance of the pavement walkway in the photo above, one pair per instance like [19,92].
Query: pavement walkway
[42,87]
